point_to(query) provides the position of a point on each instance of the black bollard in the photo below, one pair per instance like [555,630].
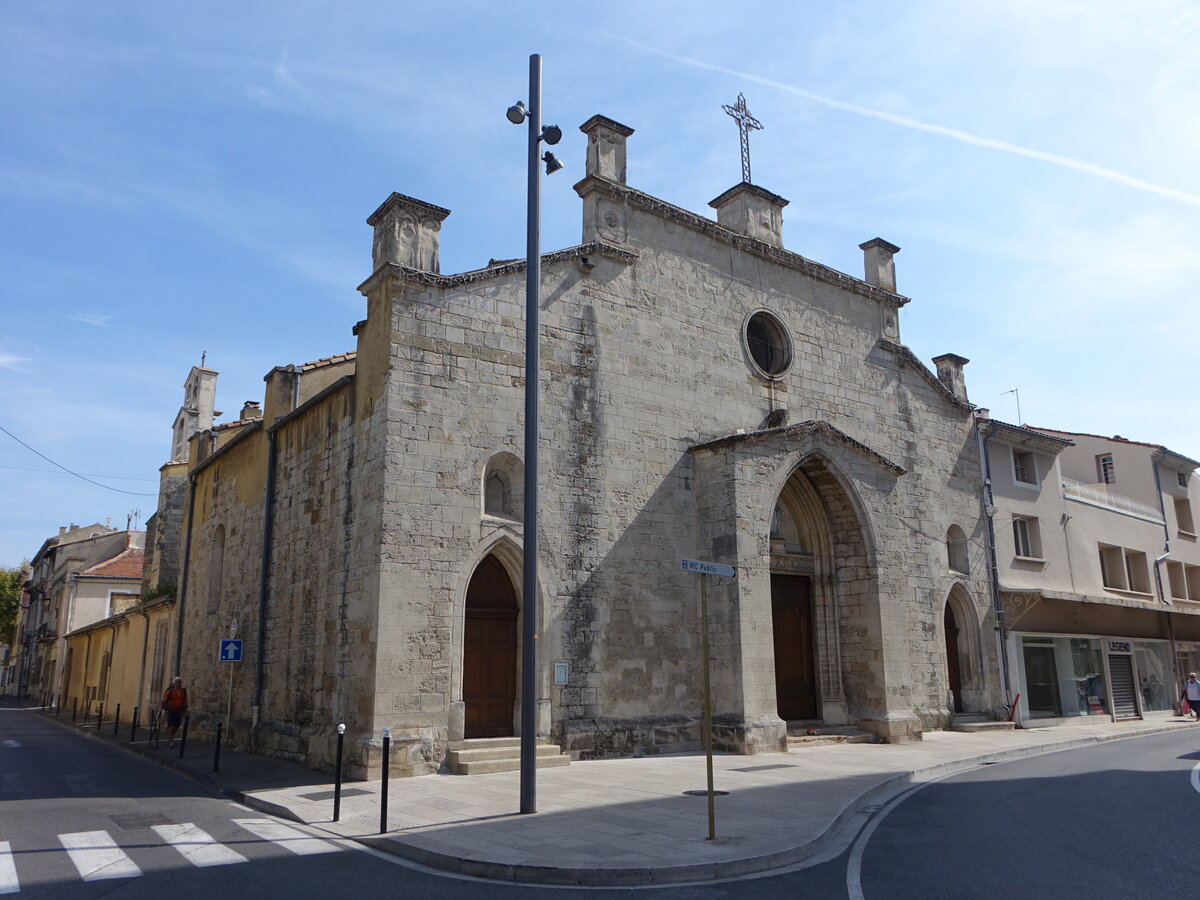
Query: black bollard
[99,715]
[58,704]
[183,737]
[117,720]
[383,787]
[74,707]
[337,775]
[217,749]
[133,725]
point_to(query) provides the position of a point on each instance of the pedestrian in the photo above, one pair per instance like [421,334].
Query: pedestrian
[1191,693]
[175,705]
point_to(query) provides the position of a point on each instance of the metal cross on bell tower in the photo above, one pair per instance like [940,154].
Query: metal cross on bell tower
[745,122]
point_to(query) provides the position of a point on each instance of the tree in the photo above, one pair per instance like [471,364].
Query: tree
[11,579]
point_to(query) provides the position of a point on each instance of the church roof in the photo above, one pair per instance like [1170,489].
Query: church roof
[328,361]
[802,429]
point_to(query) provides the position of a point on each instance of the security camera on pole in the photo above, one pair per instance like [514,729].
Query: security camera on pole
[551,134]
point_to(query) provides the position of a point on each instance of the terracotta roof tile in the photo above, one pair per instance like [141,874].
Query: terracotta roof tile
[126,564]
[328,361]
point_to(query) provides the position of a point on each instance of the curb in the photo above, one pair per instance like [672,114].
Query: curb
[534,874]
[518,873]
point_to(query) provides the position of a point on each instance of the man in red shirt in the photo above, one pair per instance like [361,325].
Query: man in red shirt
[174,704]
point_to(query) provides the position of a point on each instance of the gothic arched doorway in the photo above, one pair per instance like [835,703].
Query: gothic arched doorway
[490,652]
[953,672]
[795,668]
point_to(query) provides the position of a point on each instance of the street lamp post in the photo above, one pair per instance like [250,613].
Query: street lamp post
[518,114]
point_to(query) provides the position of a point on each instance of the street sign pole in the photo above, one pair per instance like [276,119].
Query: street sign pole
[703,568]
[233,626]
[708,751]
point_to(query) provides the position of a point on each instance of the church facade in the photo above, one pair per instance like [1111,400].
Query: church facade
[706,393]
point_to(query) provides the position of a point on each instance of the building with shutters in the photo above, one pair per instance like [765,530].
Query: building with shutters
[1098,572]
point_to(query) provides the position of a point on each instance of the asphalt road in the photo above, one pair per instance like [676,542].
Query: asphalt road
[82,818]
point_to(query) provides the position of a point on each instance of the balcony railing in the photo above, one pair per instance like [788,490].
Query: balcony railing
[1100,495]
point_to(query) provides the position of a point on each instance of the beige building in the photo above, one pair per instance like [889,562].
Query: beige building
[1098,572]
[707,393]
[117,667]
[82,575]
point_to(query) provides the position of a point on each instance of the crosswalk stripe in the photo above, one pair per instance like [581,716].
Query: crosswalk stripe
[9,884]
[97,856]
[287,837]
[196,846]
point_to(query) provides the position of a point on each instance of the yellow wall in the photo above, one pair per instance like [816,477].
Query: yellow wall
[129,640]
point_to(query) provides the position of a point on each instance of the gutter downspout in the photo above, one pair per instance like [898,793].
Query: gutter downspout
[264,578]
[183,575]
[993,569]
[141,688]
[87,659]
[1162,511]
[1159,560]
[112,655]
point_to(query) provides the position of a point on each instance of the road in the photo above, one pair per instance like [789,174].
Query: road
[83,818]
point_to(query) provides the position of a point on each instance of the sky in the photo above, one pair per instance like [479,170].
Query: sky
[188,179]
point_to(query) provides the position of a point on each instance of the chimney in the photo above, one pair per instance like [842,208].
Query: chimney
[606,148]
[983,414]
[282,392]
[752,211]
[251,410]
[406,233]
[879,263]
[950,373]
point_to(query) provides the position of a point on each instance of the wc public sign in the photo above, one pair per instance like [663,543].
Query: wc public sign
[700,567]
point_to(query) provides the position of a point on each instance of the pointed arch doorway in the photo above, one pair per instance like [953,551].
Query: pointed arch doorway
[490,652]
[795,666]
[953,672]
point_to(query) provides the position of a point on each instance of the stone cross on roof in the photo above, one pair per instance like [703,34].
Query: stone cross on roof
[745,122]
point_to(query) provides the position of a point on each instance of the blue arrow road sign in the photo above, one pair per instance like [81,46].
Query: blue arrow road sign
[231,651]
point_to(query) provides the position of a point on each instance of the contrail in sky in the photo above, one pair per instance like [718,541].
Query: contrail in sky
[975,140]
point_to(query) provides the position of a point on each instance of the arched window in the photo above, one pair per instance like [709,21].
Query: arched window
[956,550]
[216,567]
[503,496]
[497,498]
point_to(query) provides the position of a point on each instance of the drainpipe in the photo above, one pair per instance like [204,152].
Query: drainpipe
[1159,560]
[1162,511]
[993,569]
[112,655]
[183,574]
[141,688]
[87,659]
[264,576]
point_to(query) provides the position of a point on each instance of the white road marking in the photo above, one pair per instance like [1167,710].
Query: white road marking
[1196,777]
[289,838]
[9,884]
[12,745]
[97,856]
[854,864]
[196,846]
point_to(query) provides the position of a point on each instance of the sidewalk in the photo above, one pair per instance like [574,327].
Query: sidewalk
[621,821]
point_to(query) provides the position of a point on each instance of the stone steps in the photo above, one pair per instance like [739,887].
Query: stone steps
[972,723]
[480,756]
[800,738]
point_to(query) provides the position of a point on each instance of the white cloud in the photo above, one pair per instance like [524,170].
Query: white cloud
[92,318]
[955,134]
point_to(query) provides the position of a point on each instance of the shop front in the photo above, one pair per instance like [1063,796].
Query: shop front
[1065,679]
